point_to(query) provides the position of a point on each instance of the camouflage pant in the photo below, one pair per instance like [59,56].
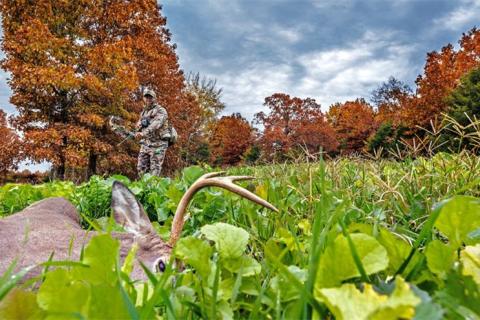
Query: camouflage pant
[150,159]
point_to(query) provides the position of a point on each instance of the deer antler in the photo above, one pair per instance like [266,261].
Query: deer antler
[211,179]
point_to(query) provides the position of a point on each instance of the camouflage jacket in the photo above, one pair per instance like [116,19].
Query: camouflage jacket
[153,123]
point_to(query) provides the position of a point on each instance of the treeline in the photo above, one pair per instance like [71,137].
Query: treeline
[441,114]
[75,64]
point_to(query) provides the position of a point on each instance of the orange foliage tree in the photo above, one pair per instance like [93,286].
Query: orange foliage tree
[294,122]
[442,73]
[230,139]
[73,64]
[354,122]
[10,147]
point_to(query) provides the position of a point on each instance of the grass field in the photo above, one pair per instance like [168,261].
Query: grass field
[354,239]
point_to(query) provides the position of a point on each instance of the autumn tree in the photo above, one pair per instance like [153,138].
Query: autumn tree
[354,122]
[442,73]
[231,137]
[73,64]
[294,122]
[10,147]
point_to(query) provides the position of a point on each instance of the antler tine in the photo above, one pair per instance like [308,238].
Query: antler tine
[211,175]
[227,183]
[211,179]
[240,178]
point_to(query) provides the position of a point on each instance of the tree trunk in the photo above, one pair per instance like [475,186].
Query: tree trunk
[92,165]
[60,169]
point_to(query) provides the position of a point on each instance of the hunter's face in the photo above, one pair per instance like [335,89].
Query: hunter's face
[148,100]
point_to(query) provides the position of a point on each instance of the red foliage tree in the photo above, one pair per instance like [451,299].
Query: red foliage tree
[294,122]
[442,73]
[231,137]
[10,147]
[354,122]
[73,64]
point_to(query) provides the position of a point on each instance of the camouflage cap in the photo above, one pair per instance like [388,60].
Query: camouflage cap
[149,92]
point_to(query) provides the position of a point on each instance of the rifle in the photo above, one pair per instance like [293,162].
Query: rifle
[120,130]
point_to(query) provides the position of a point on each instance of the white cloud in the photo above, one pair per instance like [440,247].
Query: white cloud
[465,15]
[245,91]
[329,76]
[325,4]
[336,75]
[290,35]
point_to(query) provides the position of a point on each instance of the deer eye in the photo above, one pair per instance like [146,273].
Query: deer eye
[160,266]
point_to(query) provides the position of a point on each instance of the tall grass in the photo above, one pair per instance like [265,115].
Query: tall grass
[320,203]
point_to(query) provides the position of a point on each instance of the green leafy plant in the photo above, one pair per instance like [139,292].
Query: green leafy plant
[353,238]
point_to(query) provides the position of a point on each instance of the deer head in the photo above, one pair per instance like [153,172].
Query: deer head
[153,252]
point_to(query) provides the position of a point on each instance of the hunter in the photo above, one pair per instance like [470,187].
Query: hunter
[154,133]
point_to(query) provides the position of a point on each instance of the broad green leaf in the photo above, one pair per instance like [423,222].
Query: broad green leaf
[246,265]
[336,263]
[107,303]
[427,309]
[174,193]
[120,178]
[196,253]
[62,294]
[136,190]
[401,303]
[226,289]
[190,174]
[397,249]
[101,255]
[470,258]
[20,304]
[224,310]
[162,214]
[249,286]
[347,302]
[459,296]
[458,217]
[440,257]
[287,291]
[230,241]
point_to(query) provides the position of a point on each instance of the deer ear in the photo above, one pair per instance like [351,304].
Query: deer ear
[128,212]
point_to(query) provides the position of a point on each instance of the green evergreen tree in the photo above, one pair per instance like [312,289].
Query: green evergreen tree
[464,108]
[387,137]
[465,99]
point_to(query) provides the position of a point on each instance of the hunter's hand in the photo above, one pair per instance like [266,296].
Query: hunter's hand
[138,135]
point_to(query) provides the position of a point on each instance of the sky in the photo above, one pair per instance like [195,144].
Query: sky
[329,50]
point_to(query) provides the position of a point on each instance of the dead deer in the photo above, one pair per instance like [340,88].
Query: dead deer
[53,225]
